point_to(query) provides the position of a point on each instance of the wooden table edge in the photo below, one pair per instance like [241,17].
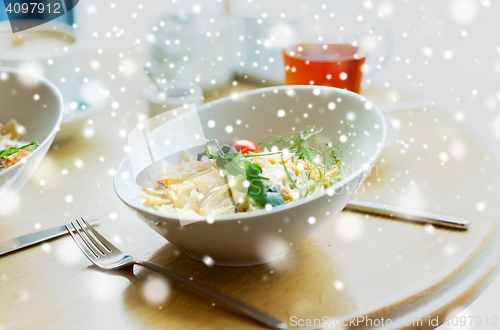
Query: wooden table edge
[423,299]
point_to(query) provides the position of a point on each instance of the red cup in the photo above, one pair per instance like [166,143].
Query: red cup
[336,65]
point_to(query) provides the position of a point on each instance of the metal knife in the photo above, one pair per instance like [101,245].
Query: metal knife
[21,242]
[401,213]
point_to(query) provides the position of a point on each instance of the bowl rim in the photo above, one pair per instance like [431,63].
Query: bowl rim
[278,208]
[55,129]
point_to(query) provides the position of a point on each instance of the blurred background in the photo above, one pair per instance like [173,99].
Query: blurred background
[441,51]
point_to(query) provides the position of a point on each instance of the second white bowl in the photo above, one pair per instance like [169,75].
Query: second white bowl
[37,105]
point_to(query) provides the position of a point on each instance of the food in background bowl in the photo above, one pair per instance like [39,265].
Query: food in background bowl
[263,235]
[12,149]
[240,177]
[37,104]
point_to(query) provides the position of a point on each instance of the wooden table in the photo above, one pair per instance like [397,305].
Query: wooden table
[357,265]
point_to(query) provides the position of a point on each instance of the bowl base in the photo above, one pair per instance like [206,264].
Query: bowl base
[240,263]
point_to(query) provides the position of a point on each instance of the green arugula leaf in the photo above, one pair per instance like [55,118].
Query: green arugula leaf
[236,164]
[201,155]
[13,150]
[261,192]
[231,164]
[256,189]
[229,151]
[9,151]
[273,196]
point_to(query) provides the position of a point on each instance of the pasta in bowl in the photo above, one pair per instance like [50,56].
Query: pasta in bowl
[271,199]
[12,149]
[240,178]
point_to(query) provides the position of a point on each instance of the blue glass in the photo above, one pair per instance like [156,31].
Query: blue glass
[3,13]
[67,18]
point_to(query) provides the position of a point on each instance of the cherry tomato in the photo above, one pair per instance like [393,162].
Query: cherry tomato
[245,146]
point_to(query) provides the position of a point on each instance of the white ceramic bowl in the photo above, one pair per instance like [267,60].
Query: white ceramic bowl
[41,116]
[257,237]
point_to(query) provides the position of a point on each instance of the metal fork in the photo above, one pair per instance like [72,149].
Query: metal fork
[107,256]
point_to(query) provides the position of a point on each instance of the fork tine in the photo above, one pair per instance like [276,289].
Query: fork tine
[98,246]
[77,241]
[107,244]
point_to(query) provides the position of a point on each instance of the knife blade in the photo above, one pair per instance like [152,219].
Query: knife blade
[401,213]
[14,244]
